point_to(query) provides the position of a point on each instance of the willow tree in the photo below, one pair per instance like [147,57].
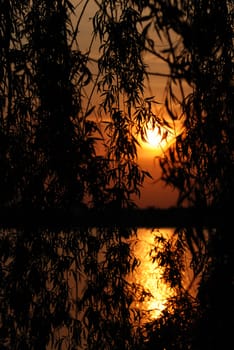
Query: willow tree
[48,159]
[128,30]
[202,160]
[197,38]
[60,288]
[200,163]
[197,50]
[47,139]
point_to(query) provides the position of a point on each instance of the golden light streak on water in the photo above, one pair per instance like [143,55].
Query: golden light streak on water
[150,275]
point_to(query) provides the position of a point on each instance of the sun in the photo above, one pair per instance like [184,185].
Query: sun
[154,137]
[157,138]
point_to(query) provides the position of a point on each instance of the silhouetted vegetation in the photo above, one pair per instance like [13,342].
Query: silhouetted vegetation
[60,288]
[66,286]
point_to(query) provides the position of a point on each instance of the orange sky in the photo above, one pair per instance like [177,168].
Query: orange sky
[154,193]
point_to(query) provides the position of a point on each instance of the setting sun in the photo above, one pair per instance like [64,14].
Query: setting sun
[158,139]
[154,137]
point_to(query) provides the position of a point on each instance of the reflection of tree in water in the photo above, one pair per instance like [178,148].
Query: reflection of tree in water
[55,292]
[48,159]
[77,282]
[151,292]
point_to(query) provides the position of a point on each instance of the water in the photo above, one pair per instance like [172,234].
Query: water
[150,275]
[66,281]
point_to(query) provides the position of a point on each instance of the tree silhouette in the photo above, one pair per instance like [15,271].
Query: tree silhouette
[198,51]
[201,162]
[55,291]
[67,288]
[47,139]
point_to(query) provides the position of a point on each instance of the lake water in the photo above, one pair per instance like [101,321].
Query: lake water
[150,274]
[73,263]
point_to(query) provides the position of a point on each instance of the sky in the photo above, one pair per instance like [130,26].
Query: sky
[154,193]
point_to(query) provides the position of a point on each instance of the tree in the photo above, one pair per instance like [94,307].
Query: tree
[49,135]
[48,160]
[198,51]
[201,161]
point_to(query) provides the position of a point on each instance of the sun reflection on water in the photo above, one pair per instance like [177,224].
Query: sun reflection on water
[149,276]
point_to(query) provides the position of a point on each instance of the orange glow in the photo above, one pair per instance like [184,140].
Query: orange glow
[153,137]
[158,138]
[150,276]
